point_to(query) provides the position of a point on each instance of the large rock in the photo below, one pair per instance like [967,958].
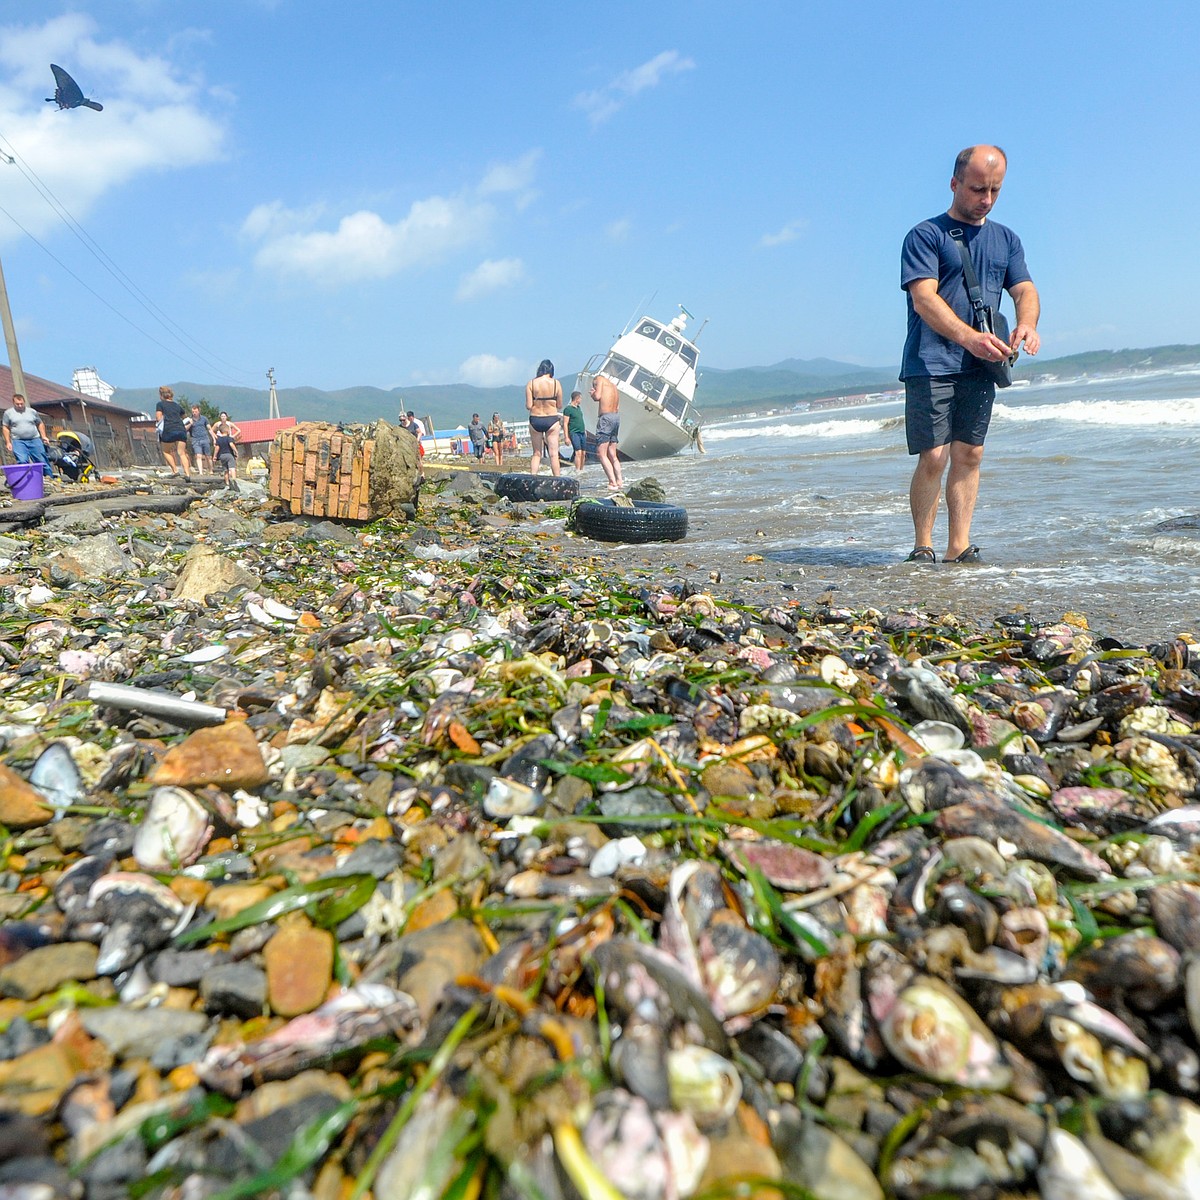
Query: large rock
[206,572]
[99,557]
[395,470]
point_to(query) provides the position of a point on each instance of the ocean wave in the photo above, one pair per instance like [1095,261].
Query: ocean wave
[820,429]
[1181,411]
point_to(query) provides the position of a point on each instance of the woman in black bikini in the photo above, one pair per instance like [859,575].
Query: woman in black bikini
[543,398]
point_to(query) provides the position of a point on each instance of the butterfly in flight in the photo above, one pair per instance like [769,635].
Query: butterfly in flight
[67,93]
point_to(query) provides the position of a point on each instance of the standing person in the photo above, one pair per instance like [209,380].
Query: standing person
[497,433]
[173,435]
[478,436]
[25,434]
[948,394]
[608,426]
[233,427]
[543,398]
[574,429]
[201,440]
[226,449]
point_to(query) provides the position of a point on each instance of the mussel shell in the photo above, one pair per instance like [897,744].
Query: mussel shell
[56,776]
[174,831]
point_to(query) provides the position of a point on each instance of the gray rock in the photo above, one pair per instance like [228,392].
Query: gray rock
[329,531]
[98,557]
[238,989]
[627,811]
[372,858]
[139,1033]
[206,573]
[185,968]
[47,968]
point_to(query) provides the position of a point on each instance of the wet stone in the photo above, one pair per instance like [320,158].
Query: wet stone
[141,1033]
[627,812]
[299,962]
[226,755]
[47,968]
[235,989]
[22,806]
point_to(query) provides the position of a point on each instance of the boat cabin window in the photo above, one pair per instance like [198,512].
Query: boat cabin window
[619,367]
[670,339]
[676,403]
[650,384]
[649,329]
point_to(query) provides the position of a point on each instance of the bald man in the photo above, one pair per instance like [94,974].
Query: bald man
[948,392]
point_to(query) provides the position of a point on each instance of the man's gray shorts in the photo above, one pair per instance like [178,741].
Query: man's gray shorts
[608,425]
[939,409]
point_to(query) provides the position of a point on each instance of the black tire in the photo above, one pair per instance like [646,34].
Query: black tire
[644,522]
[537,487]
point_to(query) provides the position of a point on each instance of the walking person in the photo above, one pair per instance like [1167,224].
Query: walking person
[25,434]
[226,445]
[478,436]
[200,437]
[945,367]
[233,426]
[543,398]
[497,434]
[608,426]
[574,430]
[173,434]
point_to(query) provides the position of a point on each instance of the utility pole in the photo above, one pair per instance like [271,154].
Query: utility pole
[273,402]
[10,338]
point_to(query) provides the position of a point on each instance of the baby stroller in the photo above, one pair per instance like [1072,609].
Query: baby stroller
[73,456]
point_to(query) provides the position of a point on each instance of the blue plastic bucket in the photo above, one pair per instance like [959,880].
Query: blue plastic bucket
[26,480]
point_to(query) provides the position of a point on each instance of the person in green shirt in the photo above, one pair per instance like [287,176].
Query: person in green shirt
[575,430]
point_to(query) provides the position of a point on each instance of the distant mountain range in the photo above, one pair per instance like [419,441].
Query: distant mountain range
[721,392]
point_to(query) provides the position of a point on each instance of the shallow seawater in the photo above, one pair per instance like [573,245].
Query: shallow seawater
[1077,475]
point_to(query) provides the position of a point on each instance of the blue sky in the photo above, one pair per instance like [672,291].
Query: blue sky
[402,193]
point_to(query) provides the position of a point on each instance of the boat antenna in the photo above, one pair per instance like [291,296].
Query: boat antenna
[696,335]
[639,311]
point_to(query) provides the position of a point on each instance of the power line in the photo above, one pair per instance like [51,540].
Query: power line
[87,287]
[210,358]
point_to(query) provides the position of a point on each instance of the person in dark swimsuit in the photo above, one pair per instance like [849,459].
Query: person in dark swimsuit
[173,434]
[543,398]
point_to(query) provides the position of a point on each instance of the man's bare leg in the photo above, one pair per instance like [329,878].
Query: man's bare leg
[962,489]
[925,491]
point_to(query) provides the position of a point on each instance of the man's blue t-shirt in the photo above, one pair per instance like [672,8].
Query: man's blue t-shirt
[929,252]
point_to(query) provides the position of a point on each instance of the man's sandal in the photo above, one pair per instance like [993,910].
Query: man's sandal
[969,555]
[922,554]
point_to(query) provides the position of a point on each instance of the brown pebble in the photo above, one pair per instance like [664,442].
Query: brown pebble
[226,755]
[299,961]
[22,806]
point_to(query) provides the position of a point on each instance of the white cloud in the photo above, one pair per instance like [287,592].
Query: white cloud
[153,120]
[492,275]
[365,245]
[515,176]
[618,231]
[789,233]
[486,370]
[603,102]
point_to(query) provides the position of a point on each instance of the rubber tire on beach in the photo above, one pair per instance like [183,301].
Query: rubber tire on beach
[646,521]
[537,487]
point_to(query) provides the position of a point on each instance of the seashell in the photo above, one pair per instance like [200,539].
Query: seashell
[933,1031]
[938,736]
[616,853]
[280,612]
[1109,1070]
[704,1084]
[1181,825]
[966,762]
[1069,1172]
[958,905]
[1152,718]
[56,776]
[507,798]
[823,1164]
[928,695]
[140,913]
[1155,760]
[205,654]
[1165,1132]
[174,831]
[834,671]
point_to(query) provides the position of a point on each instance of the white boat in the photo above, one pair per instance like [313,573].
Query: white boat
[654,368]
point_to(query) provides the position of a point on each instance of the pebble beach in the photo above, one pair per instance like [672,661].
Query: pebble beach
[459,855]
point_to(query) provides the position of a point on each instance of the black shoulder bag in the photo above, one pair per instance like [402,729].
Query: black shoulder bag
[984,318]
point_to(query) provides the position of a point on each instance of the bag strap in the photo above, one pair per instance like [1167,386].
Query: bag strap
[974,292]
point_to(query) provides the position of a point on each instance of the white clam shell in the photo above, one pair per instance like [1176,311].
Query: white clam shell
[205,654]
[938,736]
[174,832]
[704,1084]
[506,798]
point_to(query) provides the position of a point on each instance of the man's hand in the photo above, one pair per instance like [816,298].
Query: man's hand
[1029,336]
[987,346]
